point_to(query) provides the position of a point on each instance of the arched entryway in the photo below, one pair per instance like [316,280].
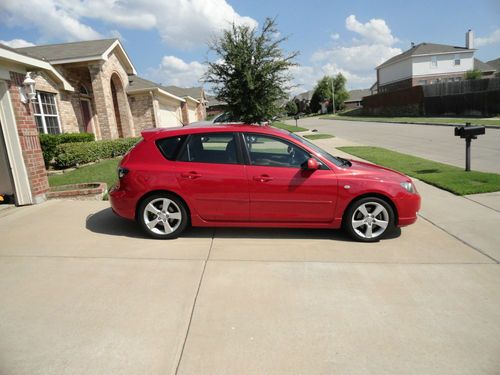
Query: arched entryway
[116,93]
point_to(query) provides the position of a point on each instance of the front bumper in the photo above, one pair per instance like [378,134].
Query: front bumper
[408,207]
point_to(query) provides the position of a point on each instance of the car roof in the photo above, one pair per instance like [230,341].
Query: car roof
[155,133]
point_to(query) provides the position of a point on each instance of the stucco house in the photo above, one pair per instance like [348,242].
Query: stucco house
[428,63]
[89,86]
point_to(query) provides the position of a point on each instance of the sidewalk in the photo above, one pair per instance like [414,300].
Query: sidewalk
[473,219]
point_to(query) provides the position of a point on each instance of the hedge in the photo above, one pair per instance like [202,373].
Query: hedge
[49,143]
[73,154]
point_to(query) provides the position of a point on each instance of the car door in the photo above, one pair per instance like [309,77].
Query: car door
[280,189]
[211,172]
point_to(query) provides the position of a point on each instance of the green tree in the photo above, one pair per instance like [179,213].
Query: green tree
[473,74]
[250,72]
[291,108]
[323,91]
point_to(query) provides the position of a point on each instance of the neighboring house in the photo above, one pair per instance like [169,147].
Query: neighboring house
[495,64]
[426,63]
[355,98]
[374,88]
[303,100]
[196,102]
[487,70]
[214,106]
[22,169]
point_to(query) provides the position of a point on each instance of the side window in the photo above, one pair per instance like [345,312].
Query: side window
[217,148]
[273,152]
[169,147]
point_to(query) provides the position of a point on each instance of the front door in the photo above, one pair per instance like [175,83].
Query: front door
[86,116]
[280,190]
[210,171]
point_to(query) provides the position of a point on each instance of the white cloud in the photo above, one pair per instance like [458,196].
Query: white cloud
[493,38]
[48,17]
[180,23]
[17,43]
[375,30]
[356,59]
[175,71]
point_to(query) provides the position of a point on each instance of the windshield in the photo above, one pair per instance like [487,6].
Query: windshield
[337,161]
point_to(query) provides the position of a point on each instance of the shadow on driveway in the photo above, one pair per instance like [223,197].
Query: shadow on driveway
[106,222]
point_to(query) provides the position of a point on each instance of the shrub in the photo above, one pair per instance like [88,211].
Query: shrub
[73,154]
[291,108]
[49,142]
[473,74]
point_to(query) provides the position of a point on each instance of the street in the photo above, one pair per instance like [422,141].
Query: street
[437,143]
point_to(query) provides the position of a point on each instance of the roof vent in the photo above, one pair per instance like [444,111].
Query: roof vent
[412,45]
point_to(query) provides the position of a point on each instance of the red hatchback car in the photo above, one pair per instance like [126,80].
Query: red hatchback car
[255,176]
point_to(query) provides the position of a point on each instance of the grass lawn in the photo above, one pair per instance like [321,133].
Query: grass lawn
[433,120]
[318,136]
[290,128]
[104,171]
[444,176]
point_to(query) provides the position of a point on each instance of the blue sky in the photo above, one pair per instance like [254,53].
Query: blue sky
[166,40]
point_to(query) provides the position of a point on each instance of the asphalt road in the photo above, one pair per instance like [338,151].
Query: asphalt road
[432,142]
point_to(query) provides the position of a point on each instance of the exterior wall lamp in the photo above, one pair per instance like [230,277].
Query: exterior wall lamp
[27,91]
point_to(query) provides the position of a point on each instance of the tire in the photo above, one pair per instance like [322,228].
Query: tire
[369,219]
[160,222]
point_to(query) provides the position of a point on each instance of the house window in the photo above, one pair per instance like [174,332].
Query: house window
[434,62]
[457,60]
[46,117]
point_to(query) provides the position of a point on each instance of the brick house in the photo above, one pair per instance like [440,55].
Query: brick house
[87,86]
[356,98]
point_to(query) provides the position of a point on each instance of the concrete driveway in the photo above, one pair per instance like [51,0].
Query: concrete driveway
[83,292]
[432,142]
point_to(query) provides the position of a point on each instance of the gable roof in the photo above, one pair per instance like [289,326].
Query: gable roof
[483,67]
[90,50]
[495,64]
[138,84]
[425,49]
[184,92]
[212,101]
[305,95]
[12,55]
[357,95]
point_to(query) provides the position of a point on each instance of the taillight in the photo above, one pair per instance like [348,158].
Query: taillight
[122,172]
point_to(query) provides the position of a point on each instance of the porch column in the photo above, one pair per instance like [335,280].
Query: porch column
[103,102]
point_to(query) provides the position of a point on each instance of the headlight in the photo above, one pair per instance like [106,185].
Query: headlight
[409,187]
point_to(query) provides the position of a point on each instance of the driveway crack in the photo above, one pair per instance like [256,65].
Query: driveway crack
[194,303]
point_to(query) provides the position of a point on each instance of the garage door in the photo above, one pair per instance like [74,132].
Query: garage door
[192,113]
[168,116]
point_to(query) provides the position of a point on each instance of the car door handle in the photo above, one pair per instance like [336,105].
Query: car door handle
[190,175]
[263,178]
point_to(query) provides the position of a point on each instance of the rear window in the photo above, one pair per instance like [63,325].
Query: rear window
[169,147]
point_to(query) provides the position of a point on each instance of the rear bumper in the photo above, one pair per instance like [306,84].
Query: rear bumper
[122,203]
[408,208]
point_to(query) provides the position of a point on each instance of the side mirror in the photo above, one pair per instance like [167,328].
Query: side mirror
[312,164]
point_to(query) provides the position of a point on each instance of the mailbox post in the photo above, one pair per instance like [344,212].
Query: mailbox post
[296,117]
[469,133]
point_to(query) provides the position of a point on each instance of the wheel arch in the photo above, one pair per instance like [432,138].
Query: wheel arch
[161,191]
[385,198]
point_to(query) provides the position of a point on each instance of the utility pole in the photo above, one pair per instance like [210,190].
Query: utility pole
[333,94]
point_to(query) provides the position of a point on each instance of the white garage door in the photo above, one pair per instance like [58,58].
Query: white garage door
[168,116]
[192,113]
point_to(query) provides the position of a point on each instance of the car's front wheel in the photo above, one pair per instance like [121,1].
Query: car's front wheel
[369,219]
[163,216]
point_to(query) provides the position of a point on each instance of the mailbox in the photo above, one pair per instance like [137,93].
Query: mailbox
[469,131]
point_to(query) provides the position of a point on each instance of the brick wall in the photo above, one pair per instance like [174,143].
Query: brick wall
[141,107]
[28,137]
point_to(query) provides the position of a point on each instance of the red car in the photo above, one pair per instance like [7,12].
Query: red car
[255,176]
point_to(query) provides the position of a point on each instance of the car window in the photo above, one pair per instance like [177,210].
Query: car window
[274,152]
[169,147]
[218,148]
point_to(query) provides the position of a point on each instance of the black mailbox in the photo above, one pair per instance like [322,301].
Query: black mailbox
[469,131]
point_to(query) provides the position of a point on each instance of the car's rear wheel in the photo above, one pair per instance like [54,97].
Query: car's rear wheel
[163,216]
[369,219]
